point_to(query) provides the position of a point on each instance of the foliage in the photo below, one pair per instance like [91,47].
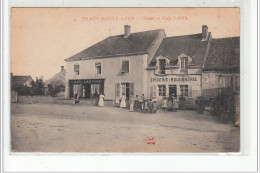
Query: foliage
[55,90]
[38,86]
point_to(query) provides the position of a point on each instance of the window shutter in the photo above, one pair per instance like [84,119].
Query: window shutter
[132,89]
[190,91]
[117,89]
[125,66]
[151,91]
[154,91]
[117,92]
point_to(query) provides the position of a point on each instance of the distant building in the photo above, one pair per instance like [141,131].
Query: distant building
[20,81]
[58,81]
[157,66]
[21,84]
[221,69]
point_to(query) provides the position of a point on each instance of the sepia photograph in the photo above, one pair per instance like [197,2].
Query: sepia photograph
[125,80]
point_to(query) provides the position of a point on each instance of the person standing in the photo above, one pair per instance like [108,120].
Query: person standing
[142,101]
[131,102]
[164,104]
[136,103]
[170,103]
[101,100]
[123,103]
[150,106]
[146,108]
[154,106]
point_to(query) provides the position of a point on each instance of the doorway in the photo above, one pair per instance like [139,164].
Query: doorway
[126,89]
[172,90]
[87,91]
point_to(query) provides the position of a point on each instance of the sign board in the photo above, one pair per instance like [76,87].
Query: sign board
[87,81]
[173,79]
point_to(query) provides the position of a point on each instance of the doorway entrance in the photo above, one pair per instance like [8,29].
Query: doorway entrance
[126,89]
[172,90]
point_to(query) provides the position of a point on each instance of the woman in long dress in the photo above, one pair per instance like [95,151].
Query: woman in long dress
[123,103]
[101,100]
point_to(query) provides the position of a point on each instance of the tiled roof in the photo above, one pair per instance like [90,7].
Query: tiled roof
[19,80]
[191,45]
[58,80]
[224,54]
[135,43]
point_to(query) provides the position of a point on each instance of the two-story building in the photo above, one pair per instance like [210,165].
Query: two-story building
[152,64]
[176,68]
[113,66]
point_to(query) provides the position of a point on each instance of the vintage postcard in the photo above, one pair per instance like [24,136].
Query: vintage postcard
[125,80]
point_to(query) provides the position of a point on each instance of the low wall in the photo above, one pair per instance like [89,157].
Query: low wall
[57,100]
[14,97]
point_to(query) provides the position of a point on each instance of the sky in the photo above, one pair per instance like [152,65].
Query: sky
[41,38]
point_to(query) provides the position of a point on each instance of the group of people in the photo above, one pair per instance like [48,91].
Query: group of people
[139,104]
[170,104]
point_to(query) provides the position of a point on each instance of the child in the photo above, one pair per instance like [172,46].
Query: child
[164,104]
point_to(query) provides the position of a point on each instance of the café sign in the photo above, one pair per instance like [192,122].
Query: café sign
[174,79]
[87,81]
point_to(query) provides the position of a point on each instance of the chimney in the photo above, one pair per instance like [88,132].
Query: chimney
[127,31]
[204,33]
[62,68]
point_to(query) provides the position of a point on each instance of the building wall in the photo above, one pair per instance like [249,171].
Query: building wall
[28,83]
[211,83]
[111,73]
[192,80]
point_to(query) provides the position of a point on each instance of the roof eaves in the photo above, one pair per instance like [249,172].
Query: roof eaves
[106,56]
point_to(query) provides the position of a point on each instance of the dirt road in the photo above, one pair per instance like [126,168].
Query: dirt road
[81,128]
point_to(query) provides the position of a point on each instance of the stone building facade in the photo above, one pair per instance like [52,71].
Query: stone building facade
[152,64]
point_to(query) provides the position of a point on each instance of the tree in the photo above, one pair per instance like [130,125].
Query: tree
[38,86]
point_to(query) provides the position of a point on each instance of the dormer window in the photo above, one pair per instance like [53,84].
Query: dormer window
[162,64]
[184,62]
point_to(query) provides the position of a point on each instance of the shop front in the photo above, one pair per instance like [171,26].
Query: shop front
[87,88]
[186,87]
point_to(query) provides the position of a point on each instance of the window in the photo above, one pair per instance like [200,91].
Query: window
[162,64]
[184,90]
[98,68]
[162,90]
[95,90]
[127,89]
[125,66]
[76,69]
[184,62]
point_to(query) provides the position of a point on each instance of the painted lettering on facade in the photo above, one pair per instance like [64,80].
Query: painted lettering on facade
[174,79]
[87,81]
